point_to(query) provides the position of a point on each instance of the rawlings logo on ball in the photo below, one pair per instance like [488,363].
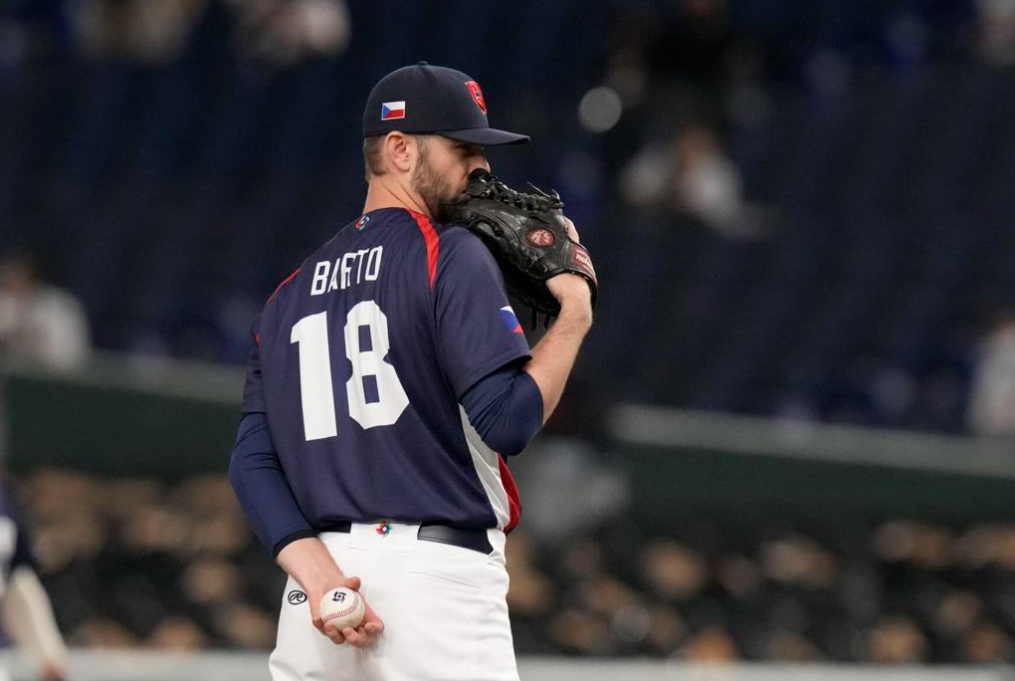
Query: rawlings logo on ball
[541,237]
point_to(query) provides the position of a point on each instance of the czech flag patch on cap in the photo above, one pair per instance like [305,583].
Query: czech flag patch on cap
[392,110]
[510,319]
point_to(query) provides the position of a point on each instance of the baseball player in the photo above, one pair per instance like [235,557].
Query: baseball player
[27,612]
[388,380]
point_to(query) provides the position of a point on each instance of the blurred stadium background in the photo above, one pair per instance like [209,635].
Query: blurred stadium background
[787,450]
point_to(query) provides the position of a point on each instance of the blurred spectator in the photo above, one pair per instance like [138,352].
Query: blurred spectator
[992,396]
[739,576]
[897,640]
[666,628]
[150,31]
[790,647]
[988,644]
[578,631]
[39,323]
[103,633]
[567,464]
[673,570]
[281,32]
[533,593]
[996,29]
[211,582]
[957,613]
[179,634]
[800,561]
[66,511]
[276,32]
[929,547]
[713,645]
[692,174]
[907,591]
[245,626]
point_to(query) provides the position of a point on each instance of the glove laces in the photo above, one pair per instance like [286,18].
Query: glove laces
[494,189]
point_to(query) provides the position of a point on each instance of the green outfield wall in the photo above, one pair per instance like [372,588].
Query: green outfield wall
[149,417]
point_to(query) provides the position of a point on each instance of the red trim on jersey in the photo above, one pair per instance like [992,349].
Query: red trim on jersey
[514,501]
[257,339]
[287,280]
[433,246]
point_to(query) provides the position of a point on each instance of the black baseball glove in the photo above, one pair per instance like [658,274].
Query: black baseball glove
[528,237]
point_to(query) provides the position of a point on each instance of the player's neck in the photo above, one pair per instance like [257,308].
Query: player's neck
[384,193]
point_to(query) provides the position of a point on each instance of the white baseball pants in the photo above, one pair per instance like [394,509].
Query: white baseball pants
[443,607]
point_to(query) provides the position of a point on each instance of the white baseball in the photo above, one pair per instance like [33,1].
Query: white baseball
[343,607]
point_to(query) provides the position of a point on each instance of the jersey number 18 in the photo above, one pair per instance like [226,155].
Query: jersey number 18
[316,386]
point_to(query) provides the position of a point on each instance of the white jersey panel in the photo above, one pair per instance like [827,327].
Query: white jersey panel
[487,463]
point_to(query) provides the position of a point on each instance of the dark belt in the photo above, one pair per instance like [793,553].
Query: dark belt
[472,539]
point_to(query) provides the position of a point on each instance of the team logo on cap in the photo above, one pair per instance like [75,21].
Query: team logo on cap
[391,111]
[477,94]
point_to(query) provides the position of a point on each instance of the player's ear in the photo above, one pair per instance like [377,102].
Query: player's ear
[399,151]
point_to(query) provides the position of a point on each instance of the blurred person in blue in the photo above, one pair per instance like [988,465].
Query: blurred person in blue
[27,612]
[40,324]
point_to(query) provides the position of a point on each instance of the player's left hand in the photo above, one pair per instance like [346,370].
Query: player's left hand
[363,635]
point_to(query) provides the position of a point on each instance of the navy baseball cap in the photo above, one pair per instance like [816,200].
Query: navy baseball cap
[424,99]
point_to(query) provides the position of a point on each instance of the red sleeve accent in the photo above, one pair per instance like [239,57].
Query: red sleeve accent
[432,244]
[277,288]
[514,501]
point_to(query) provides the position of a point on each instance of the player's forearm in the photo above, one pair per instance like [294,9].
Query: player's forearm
[261,487]
[309,563]
[554,356]
[506,409]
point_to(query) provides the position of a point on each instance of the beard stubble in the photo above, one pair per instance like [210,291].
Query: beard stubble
[435,190]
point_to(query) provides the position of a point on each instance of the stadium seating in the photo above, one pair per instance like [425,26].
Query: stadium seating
[172,199]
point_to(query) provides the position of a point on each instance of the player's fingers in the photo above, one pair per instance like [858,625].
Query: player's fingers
[371,622]
[353,583]
[336,636]
[356,638]
[572,231]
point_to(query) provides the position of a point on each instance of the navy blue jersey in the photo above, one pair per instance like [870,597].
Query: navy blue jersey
[360,360]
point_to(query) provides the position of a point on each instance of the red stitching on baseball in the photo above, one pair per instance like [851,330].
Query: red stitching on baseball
[353,607]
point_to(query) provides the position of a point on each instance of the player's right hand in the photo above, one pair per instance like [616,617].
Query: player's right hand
[570,289]
[363,635]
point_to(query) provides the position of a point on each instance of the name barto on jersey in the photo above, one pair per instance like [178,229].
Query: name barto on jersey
[354,267]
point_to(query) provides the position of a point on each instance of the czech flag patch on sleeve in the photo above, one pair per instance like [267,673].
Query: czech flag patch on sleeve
[514,326]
